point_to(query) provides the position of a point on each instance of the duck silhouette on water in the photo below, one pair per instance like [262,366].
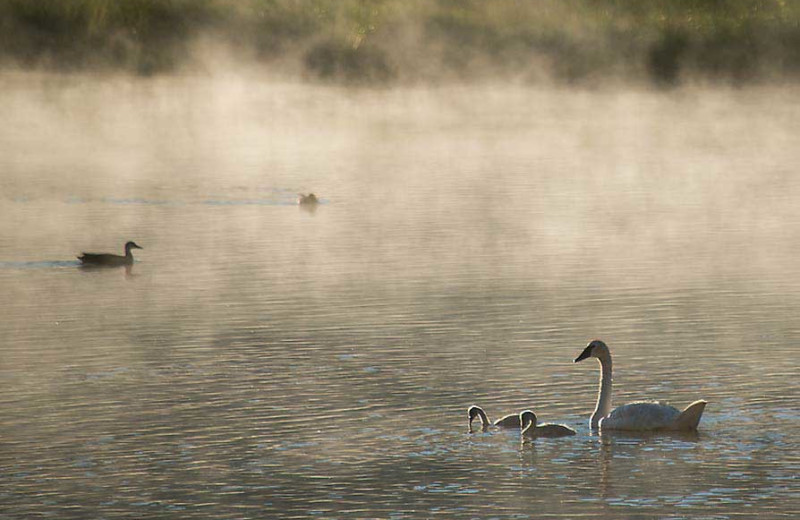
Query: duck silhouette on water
[108,259]
[307,200]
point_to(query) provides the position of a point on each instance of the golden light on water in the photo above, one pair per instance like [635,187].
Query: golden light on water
[261,360]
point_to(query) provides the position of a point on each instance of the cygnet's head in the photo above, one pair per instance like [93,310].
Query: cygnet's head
[527,419]
[473,412]
[596,348]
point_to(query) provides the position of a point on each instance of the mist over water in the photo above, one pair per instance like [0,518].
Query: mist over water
[262,360]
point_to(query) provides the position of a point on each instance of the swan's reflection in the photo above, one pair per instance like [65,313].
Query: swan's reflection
[610,442]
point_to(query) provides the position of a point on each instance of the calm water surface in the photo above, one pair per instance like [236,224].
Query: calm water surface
[262,361]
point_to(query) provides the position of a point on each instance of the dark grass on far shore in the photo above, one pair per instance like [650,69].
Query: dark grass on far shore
[384,41]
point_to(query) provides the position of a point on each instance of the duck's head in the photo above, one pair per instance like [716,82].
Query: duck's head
[596,348]
[527,420]
[132,245]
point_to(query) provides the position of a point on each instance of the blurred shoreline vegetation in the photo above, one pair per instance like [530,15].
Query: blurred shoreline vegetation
[385,41]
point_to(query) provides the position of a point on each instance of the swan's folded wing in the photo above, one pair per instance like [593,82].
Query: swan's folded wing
[554,430]
[689,418]
[509,421]
[640,417]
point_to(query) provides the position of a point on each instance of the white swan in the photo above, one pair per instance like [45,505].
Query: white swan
[639,416]
[507,421]
[531,430]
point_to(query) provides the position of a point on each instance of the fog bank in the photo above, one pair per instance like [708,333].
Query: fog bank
[391,41]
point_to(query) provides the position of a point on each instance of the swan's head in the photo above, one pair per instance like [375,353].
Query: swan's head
[595,348]
[132,245]
[527,419]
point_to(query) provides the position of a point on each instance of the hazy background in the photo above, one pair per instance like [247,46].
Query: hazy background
[390,41]
[510,182]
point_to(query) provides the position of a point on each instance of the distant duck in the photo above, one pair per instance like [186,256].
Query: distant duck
[308,200]
[532,430]
[109,260]
[508,421]
[638,416]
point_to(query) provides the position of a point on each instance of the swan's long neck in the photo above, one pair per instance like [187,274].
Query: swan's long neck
[529,428]
[603,407]
[483,418]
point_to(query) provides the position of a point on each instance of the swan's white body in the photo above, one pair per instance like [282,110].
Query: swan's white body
[508,421]
[639,416]
[530,430]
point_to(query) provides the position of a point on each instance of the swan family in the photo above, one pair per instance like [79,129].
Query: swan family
[632,417]
[636,416]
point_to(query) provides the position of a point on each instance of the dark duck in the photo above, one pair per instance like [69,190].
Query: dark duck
[108,259]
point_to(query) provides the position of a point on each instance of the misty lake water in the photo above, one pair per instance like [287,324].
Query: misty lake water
[260,360]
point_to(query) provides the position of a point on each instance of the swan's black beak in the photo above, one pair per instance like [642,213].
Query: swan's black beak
[587,352]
